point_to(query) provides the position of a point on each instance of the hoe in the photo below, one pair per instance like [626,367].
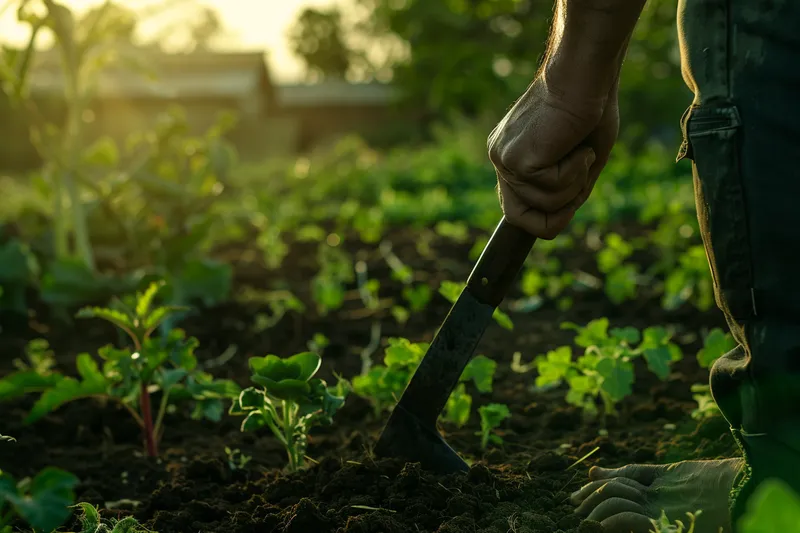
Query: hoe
[411,432]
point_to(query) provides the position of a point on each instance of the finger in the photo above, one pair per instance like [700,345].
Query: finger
[542,199]
[614,506]
[612,489]
[538,223]
[580,495]
[559,176]
[644,474]
[628,522]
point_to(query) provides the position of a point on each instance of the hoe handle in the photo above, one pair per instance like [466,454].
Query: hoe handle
[499,263]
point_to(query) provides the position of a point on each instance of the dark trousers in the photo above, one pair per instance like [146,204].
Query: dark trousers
[742,132]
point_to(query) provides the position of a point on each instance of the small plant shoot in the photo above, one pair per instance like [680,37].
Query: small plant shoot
[492,416]
[289,401]
[605,370]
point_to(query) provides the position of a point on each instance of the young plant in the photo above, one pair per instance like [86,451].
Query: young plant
[480,370]
[620,281]
[663,525]
[492,415]
[605,370]
[91,522]
[289,401]
[236,459]
[43,502]
[33,375]
[166,364]
[384,384]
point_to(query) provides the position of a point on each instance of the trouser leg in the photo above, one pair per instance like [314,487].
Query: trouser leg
[742,132]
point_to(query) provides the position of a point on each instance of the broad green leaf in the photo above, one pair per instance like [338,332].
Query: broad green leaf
[89,371]
[66,390]
[772,508]
[620,284]
[481,371]
[403,353]
[417,296]
[254,420]
[555,366]
[503,319]
[716,344]
[21,383]
[249,399]
[117,318]
[628,334]
[658,360]
[170,377]
[492,415]
[144,300]
[46,504]
[581,384]
[285,389]
[594,333]
[458,406]
[451,290]
[617,377]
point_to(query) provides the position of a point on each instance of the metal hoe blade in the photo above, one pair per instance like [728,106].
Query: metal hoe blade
[411,432]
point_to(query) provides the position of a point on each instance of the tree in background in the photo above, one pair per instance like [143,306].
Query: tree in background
[474,57]
[318,37]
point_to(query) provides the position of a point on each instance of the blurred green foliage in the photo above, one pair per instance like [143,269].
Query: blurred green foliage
[477,56]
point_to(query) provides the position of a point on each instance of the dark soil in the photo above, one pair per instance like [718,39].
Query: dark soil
[522,487]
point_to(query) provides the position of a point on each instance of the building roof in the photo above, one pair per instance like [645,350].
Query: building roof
[335,93]
[164,75]
[205,74]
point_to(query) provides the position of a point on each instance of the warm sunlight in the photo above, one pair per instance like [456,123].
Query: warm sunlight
[250,24]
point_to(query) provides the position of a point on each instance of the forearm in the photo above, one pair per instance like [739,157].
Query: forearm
[587,45]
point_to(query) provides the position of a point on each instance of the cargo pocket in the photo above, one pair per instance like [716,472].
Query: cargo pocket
[712,138]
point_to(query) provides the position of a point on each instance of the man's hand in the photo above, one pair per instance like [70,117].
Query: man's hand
[548,152]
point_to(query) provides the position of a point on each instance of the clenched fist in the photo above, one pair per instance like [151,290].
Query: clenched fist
[548,152]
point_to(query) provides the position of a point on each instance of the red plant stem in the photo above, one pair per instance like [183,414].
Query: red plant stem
[147,416]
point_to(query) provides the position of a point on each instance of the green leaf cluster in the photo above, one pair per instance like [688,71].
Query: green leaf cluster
[289,401]
[492,416]
[605,369]
[43,501]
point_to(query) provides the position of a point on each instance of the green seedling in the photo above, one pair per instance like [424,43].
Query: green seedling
[166,364]
[480,371]
[620,277]
[451,290]
[43,502]
[33,375]
[417,296]
[773,507]
[663,525]
[91,522]
[236,459]
[492,415]
[689,281]
[384,384]
[289,401]
[716,344]
[605,370]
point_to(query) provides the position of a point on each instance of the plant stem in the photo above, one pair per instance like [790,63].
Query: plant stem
[147,416]
[288,430]
[162,409]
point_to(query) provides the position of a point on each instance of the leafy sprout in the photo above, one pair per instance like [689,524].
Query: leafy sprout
[289,401]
